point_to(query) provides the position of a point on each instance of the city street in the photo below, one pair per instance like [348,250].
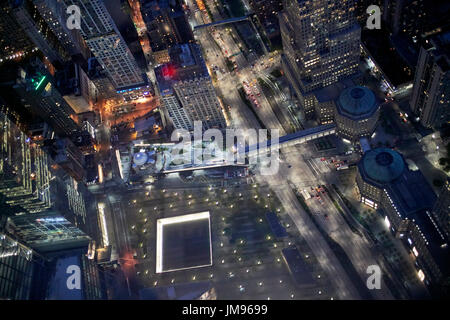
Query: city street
[294,170]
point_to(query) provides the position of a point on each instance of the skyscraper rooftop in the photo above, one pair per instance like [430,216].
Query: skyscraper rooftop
[186,63]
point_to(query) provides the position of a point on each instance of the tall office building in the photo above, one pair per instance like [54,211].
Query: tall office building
[104,88]
[431,91]
[441,209]
[415,19]
[46,208]
[405,16]
[187,91]
[38,30]
[29,86]
[22,271]
[27,275]
[166,26]
[92,286]
[14,43]
[53,12]
[24,174]
[107,44]
[68,156]
[267,12]
[321,43]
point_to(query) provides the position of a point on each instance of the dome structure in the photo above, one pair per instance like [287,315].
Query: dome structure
[383,165]
[357,102]
[356,113]
[140,158]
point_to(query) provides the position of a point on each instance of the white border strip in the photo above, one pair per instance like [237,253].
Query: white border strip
[160,223]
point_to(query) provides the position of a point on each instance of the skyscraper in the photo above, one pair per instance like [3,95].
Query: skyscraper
[431,91]
[29,86]
[47,209]
[107,44]
[267,12]
[13,42]
[415,19]
[38,30]
[53,12]
[22,271]
[24,176]
[187,91]
[166,26]
[321,43]
[406,16]
[441,209]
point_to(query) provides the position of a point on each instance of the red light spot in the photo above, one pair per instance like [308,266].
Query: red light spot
[168,71]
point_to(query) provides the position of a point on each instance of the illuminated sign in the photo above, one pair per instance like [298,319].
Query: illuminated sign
[39,83]
[51,220]
[48,87]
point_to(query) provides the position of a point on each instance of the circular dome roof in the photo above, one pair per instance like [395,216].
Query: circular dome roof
[357,101]
[383,164]
[140,158]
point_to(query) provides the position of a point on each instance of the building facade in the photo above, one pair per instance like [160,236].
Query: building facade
[267,13]
[44,207]
[166,25]
[53,12]
[22,271]
[356,114]
[406,16]
[37,93]
[39,31]
[14,42]
[441,210]
[430,98]
[321,45]
[405,199]
[187,91]
[107,45]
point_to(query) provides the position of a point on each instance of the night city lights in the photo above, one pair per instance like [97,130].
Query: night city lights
[258,153]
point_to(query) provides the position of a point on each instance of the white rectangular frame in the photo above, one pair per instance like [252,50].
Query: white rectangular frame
[160,223]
